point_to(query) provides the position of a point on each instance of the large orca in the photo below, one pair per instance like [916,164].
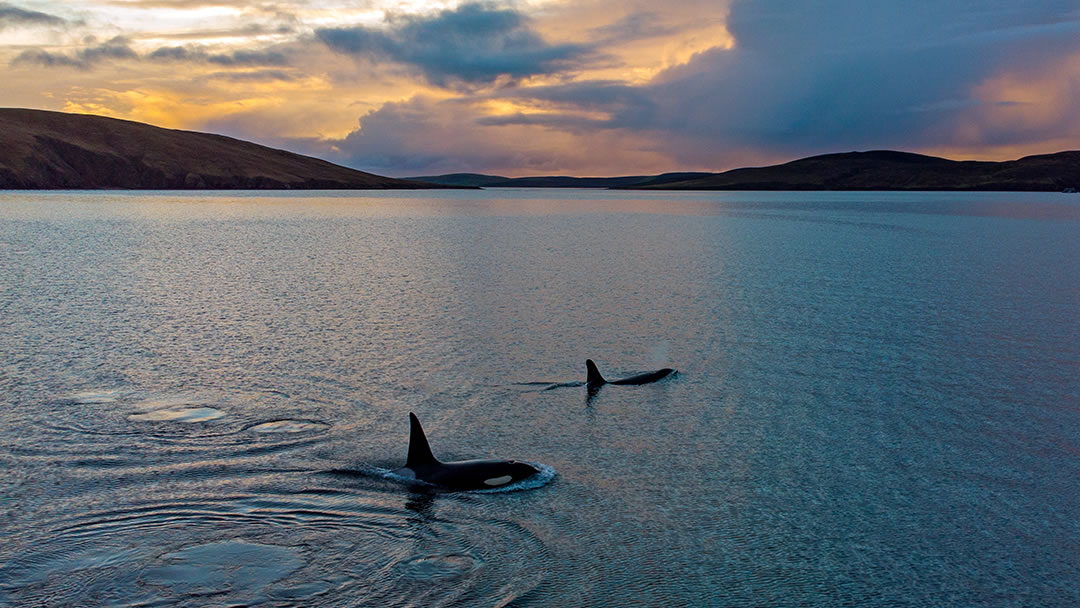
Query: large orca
[594,380]
[464,475]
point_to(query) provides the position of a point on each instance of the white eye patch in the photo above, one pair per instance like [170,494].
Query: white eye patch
[497,481]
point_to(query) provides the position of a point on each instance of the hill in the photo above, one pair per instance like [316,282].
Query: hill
[555,181]
[469,180]
[55,150]
[890,170]
[875,170]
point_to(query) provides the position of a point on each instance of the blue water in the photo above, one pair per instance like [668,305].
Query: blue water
[878,398]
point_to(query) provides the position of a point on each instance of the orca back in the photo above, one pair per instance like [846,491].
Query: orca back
[647,377]
[477,474]
[419,450]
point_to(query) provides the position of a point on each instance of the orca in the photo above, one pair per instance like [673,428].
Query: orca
[594,380]
[463,475]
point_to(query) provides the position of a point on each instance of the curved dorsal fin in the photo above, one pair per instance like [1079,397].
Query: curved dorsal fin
[593,376]
[419,450]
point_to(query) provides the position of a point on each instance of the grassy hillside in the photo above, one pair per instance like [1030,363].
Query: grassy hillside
[889,170]
[54,150]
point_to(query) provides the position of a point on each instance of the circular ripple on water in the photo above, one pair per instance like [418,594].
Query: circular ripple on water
[110,413]
[312,547]
[243,549]
[181,417]
[236,567]
[455,561]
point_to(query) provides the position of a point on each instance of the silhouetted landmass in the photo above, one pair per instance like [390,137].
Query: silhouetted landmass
[889,170]
[557,181]
[54,150]
[877,170]
[469,180]
[670,178]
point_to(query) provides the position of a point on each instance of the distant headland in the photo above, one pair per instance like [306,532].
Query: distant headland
[876,170]
[56,150]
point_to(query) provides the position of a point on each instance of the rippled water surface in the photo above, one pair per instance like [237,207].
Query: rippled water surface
[878,398]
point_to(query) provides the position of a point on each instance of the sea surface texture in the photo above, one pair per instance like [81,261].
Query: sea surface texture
[877,401]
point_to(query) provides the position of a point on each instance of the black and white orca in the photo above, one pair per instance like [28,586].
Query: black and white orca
[594,380]
[463,475]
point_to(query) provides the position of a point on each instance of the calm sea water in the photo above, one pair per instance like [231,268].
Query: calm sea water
[878,401]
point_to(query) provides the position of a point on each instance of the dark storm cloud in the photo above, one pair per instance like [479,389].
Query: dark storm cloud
[776,26]
[13,16]
[853,73]
[831,75]
[82,59]
[474,44]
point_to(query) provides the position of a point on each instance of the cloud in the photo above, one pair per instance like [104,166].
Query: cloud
[82,59]
[474,44]
[835,75]
[245,58]
[609,96]
[264,7]
[256,76]
[843,75]
[119,48]
[696,84]
[247,30]
[852,74]
[423,136]
[635,26]
[13,16]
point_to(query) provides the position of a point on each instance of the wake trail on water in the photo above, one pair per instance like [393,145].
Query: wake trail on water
[565,385]
[547,386]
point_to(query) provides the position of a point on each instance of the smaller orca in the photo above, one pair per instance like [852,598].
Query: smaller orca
[594,380]
[464,475]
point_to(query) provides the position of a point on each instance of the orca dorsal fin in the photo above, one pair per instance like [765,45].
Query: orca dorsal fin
[593,376]
[419,450]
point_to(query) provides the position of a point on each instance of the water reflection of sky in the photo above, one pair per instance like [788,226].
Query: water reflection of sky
[871,406]
[184,206]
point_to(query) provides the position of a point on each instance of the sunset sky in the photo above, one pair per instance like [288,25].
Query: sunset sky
[541,87]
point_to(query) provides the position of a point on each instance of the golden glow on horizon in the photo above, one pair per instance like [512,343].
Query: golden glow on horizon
[166,109]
